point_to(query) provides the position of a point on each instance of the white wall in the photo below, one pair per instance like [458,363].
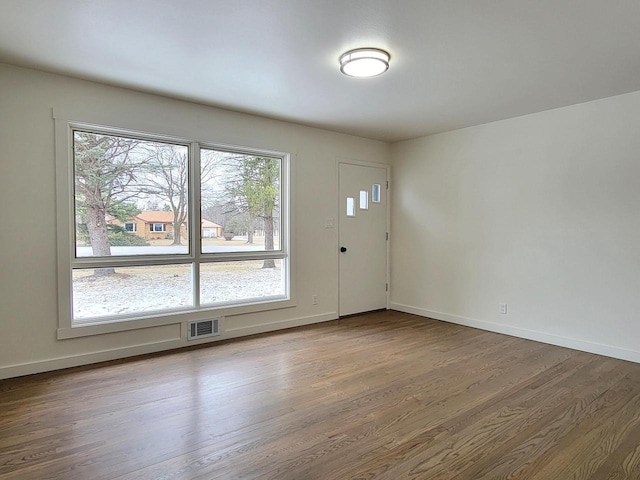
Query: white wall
[540,211]
[28,296]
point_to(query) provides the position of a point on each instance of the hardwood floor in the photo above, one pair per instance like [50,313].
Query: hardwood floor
[379,396]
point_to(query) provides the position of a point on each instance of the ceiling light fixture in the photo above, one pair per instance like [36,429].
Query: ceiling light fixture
[364,62]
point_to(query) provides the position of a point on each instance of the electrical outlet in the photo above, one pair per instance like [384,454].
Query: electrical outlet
[502,309]
[314,299]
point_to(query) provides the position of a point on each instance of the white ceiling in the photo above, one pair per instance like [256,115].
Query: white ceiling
[455,63]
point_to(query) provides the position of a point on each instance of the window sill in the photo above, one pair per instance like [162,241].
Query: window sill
[104,326]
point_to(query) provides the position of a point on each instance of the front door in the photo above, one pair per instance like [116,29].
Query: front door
[363,238]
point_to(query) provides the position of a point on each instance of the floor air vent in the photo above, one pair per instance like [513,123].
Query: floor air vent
[204,328]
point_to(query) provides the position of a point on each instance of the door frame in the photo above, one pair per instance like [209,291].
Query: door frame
[363,163]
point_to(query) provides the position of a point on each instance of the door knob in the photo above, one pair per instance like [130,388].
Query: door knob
[343,249]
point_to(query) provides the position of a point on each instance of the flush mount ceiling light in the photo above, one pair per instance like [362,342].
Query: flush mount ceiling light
[364,62]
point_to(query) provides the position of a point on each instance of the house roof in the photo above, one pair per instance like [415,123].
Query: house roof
[152,216]
[209,224]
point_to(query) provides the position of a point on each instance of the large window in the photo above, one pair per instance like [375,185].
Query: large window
[134,254]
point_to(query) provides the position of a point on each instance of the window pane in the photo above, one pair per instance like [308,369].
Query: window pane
[375,193]
[131,196]
[227,282]
[130,290]
[240,201]
[364,200]
[351,207]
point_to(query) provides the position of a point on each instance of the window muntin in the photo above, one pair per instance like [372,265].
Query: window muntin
[204,267]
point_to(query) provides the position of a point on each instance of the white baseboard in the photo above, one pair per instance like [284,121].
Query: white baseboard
[118,353]
[279,325]
[575,344]
[87,358]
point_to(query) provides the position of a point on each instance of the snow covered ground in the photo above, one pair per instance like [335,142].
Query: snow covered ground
[153,289]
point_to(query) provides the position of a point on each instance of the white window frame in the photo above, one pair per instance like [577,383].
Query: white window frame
[67,261]
[134,228]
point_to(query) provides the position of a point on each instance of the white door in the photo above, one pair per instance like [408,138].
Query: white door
[363,238]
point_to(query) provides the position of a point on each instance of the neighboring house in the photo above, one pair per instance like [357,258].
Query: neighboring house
[210,229]
[154,225]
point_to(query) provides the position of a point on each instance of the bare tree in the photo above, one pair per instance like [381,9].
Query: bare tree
[218,203]
[168,177]
[105,171]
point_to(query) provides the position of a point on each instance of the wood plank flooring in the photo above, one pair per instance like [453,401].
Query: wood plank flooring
[384,395]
